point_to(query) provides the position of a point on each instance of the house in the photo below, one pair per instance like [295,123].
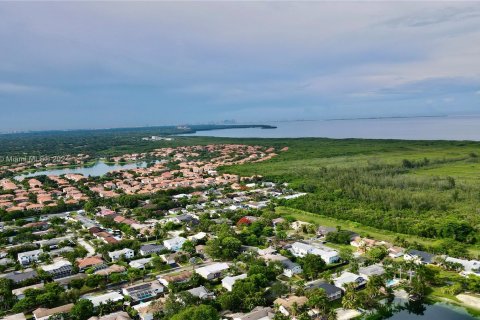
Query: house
[300,249]
[332,292]
[395,252]
[127,253]
[323,231]
[174,244]
[44,313]
[144,291]
[228,282]
[180,277]
[201,292]
[469,266]
[285,304]
[64,282]
[30,256]
[59,269]
[258,313]
[140,263]
[247,220]
[289,268]
[374,269]
[89,262]
[362,243]
[119,315]
[266,251]
[20,292]
[18,277]
[146,310]
[104,298]
[114,268]
[197,237]
[419,257]
[148,249]
[212,271]
[349,277]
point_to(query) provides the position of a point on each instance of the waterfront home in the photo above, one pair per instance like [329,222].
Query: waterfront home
[349,277]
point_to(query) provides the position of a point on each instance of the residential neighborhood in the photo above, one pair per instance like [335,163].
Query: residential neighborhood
[150,241]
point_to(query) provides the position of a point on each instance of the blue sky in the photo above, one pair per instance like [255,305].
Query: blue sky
[97,65]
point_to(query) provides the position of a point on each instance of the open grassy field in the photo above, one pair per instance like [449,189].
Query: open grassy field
[420,189]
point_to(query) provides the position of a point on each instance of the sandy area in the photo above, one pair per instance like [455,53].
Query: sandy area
[470,301]
[346,314]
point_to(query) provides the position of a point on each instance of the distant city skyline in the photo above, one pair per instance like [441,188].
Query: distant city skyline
[86,65]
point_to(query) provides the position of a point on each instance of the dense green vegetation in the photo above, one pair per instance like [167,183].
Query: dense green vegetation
[401,186]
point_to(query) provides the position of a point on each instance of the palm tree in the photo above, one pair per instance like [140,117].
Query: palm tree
[349,300]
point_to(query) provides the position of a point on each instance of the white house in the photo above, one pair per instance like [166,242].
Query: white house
[30,256]
[197,237]
[300,249]
[104,298]
[212,271]
[20,292]
[59,269]
[228,282]
[289,268]
[127,253]
[140,263]
[174,244]
[372,270]
[469,266]
[348,277]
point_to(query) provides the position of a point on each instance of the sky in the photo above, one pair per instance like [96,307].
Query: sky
[69,65]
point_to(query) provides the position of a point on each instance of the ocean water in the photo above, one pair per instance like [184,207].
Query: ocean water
[421,128]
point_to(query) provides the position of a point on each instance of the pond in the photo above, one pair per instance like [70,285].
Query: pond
[436,311]
[98,169]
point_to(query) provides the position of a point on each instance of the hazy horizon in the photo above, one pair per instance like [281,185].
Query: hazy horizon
[87,65]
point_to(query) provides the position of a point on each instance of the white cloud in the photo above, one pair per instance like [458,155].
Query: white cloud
[15,88]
